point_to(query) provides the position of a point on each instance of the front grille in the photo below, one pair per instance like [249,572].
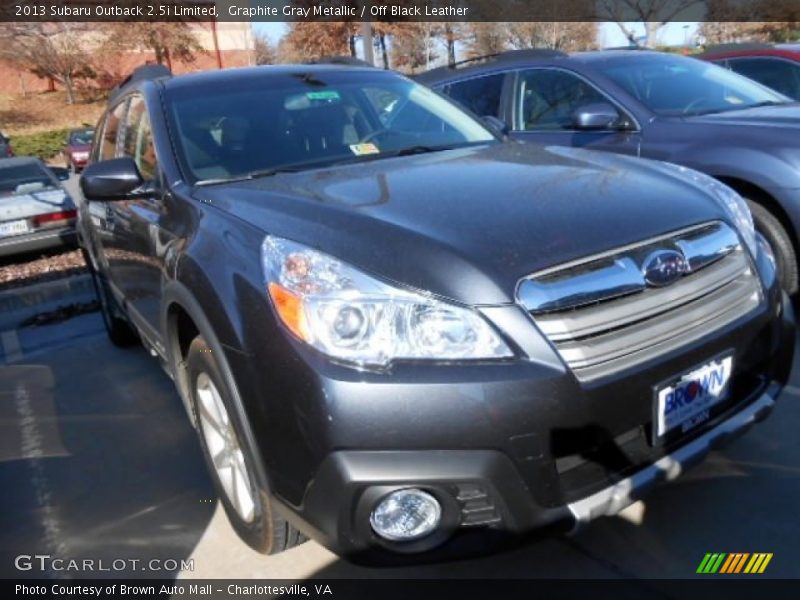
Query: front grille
[603,316]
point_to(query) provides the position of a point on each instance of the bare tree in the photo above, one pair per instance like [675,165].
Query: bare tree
[654,14]
[761,21]
[452,32]
[309,39]
[414,46]
[566,36]
[58,51]
[167,41]
[486,38]
[265,52]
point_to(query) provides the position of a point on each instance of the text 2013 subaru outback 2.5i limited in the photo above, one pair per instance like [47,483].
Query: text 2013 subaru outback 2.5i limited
[407,338]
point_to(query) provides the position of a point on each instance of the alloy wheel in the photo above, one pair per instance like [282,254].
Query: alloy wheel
[224,448]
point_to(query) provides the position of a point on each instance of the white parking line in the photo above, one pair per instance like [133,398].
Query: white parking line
[11,346]
[31,436]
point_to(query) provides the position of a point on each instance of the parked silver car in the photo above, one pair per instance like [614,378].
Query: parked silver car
[35,211]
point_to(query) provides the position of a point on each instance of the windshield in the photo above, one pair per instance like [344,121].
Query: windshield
[296,121]
[24,179]
[671,85]
[85,137]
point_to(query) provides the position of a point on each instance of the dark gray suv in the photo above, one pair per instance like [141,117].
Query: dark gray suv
[406,337]
[653,105]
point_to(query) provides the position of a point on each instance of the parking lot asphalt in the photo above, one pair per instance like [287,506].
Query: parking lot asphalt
[97,460]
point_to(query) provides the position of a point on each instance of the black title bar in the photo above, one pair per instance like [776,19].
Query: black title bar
[399,10]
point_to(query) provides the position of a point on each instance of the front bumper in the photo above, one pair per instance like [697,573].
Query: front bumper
[38,240]
[509,448]
[486,503]
[494,496]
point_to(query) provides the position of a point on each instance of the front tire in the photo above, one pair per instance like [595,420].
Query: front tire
[782,246]
[235,468]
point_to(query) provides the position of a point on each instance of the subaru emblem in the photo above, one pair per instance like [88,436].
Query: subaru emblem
[664,267]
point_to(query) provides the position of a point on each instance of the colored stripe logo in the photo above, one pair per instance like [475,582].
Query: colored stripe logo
[734,562]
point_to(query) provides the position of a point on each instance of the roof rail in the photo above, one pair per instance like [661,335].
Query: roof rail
[732,47]
[144,72]
[339,60]
[501,57]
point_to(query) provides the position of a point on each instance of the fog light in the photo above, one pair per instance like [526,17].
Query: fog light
[406,515]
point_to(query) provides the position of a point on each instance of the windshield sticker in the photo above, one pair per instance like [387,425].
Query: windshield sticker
[328,95]
[362,149]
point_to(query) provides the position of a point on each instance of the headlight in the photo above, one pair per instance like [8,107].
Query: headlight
[731,201]
[353,317]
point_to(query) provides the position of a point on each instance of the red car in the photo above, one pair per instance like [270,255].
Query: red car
[776,66]
[77,147]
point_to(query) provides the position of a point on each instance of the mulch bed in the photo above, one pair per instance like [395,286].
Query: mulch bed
[47,268]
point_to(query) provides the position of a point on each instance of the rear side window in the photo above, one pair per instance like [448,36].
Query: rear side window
[24,179]
[481,95]
[549,97]
[781,75]
[138,138]
[109,141]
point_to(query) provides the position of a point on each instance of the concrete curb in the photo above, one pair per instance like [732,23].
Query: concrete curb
[20,304]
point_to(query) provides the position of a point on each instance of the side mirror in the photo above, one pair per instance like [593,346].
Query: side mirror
[497,125]
[107,180]
[600,115]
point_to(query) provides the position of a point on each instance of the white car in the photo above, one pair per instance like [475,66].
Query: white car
[36,212]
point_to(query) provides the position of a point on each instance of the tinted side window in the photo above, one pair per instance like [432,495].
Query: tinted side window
[108,143]
[780,75]
[481,95]
[138,138]
[549,97]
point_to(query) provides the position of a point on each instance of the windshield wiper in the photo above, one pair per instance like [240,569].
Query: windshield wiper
[252,175]
[417,150]
[734,108]
[408,151]
[764,103]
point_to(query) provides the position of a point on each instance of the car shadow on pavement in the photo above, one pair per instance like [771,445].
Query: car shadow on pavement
[98,459]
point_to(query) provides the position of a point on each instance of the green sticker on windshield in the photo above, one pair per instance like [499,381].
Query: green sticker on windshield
[324,95]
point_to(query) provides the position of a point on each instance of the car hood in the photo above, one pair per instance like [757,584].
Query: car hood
[469,223]
[784,116]
[79,147]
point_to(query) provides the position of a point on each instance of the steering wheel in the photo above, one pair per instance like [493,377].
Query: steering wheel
[372,135]
[693,103]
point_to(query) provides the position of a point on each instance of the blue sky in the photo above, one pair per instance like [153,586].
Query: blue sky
[673,34]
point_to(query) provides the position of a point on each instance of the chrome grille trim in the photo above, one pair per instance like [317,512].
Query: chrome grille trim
[618,273]
[602,321]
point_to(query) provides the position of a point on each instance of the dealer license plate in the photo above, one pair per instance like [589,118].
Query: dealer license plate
[687,401]
[14,227]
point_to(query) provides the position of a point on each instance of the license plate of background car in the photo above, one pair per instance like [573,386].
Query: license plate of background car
[687,401]
[14,227]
